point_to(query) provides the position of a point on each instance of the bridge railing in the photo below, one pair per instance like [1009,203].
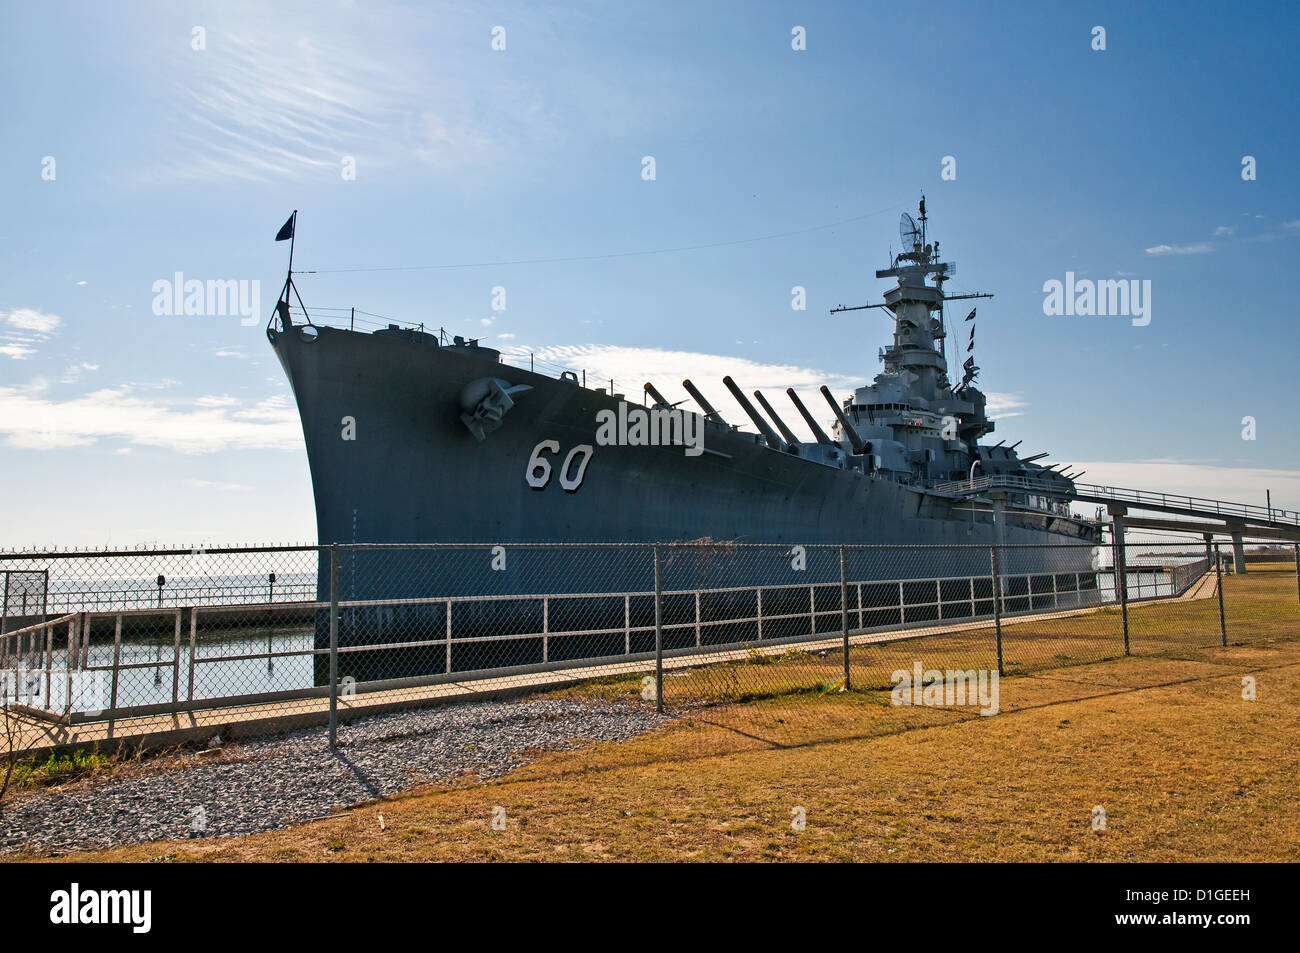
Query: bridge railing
[1095,492]
[1191,504]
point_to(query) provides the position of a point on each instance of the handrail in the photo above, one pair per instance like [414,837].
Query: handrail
[1092,492]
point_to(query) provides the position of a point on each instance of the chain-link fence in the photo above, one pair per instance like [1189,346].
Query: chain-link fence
[249,640]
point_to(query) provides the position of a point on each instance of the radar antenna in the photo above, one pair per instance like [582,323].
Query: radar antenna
[910,233]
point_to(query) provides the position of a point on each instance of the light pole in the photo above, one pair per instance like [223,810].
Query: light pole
[270,597]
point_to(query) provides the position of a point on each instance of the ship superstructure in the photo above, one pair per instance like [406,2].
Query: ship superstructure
[922,429]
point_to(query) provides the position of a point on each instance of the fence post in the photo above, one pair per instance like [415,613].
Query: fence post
[697,618]
[72,640]
[176,657]
[997,602]
[1297,571]
[844,612]
[1120,567]
[334,644]
[194,651]
[117,661]
[659,635]
[1218,578]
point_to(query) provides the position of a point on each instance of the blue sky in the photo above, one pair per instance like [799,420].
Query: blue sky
[122,426]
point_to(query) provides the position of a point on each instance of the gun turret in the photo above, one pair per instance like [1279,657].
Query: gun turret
[808,418]
[859,445]
[655,395]
[704,404]
[786,432]
[769,434]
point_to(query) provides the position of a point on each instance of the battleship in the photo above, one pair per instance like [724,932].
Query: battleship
[415,437]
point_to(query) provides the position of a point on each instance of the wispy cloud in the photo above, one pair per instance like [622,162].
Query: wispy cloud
[214,485]
[24,328]
[1226,232]
[1197,248]
[31,420]
[17,350]
[28,319]
[75,372]
[1001,405]
[267,100]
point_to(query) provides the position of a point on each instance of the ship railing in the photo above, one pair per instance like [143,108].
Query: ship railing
[355,319]
[1097,493]
[80,688]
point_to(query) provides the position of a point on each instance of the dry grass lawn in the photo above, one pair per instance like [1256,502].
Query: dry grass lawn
[1184,767]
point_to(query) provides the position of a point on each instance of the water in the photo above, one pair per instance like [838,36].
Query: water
[215,675]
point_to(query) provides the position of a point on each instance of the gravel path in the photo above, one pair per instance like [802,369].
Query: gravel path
[270,783]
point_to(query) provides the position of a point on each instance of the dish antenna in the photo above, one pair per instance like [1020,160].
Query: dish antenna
[910,233]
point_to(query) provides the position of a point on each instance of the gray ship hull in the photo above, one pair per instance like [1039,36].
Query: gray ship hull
[413,472]
[392,462]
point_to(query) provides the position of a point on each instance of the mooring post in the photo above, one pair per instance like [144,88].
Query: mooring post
[659,634]
[1218,579]
[334,644]
[844,612]
[997,602]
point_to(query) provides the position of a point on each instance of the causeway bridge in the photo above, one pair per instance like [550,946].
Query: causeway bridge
[1208,517]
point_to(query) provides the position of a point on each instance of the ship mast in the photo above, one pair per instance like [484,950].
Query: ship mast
[913,302]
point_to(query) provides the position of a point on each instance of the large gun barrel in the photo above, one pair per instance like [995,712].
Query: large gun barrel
[786,432]
[769,434]
[858,443]
[657,397]
[704,404]
[808,418]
